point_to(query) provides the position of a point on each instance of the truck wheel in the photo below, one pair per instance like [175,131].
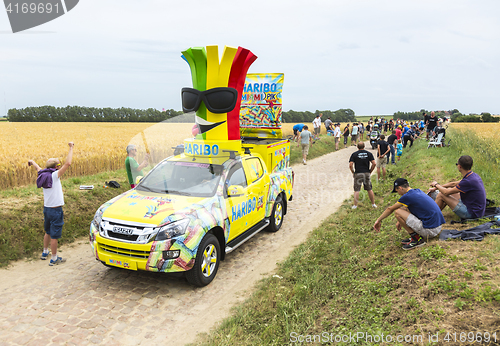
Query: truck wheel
[206,263]
[276,215]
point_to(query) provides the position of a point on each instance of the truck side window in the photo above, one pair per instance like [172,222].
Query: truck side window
[254,169]
[236,176]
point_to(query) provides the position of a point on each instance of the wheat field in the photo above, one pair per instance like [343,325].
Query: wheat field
[485,130]
[98,147]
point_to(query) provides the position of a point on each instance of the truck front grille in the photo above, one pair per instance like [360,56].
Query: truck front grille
[124,252]
[127,237]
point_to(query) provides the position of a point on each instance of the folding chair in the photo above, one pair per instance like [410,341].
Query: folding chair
[435,141]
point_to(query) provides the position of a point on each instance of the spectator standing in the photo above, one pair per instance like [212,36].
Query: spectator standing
[362,163]
[305,142]
[337,134]
[133,169]
[467,197]
[431,124]
[423,219]
[399,149]
[392,141]
[398,131]
[382,151]
[361,131]
[317,125]
[354,134]
[346,135]
[53,200]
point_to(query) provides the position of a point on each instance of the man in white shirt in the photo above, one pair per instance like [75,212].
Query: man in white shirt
[354,134]
[317,125]
[337,133]
[53,200]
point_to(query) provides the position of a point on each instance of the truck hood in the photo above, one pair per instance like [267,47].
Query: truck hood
[146,207]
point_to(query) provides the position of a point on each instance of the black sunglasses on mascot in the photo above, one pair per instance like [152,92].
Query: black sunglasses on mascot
[217,100]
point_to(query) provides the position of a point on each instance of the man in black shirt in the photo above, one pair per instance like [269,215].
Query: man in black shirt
[393,141]
[362,163]
[382,151]
[431,123]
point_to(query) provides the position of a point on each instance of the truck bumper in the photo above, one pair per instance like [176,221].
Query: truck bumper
[154,256]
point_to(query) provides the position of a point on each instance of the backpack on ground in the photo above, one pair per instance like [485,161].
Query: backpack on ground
[113,184]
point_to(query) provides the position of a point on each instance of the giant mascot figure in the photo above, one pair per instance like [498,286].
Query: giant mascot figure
[217,90]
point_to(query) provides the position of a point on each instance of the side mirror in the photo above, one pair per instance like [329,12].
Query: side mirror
[138,179]
[235,191]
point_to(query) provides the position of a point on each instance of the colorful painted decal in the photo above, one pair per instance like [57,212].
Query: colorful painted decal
[281,181]
[261,105]
[243,209]
[160,200]
[202,218]
[155,210]
[201,149]
[282,160]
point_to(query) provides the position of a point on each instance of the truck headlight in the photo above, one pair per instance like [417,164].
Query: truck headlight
[173,229]
[97,219]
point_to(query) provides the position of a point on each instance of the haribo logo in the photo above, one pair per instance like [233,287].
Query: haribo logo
[26,14]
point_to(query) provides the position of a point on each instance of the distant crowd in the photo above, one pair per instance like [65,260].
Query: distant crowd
[418,213]
[389,137]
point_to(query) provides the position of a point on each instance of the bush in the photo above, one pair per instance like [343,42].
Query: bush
[468,119]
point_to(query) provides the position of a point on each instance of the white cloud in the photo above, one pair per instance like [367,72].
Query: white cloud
[376,57]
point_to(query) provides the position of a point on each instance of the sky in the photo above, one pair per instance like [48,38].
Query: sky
[374,57]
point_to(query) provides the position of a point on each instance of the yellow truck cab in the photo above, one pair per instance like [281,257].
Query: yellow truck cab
[192,209]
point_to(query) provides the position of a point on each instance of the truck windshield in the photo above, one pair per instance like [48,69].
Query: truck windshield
[183,178]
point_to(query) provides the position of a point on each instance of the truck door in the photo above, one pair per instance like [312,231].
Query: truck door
[258,183]
[238,207]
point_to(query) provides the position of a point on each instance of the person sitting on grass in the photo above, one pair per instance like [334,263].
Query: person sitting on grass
[467,197]
[422,220]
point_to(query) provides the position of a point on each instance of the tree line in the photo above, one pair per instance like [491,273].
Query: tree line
[340,115]
[454,114]
[89,114]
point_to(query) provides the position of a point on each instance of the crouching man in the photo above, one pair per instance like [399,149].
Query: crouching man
[422,220]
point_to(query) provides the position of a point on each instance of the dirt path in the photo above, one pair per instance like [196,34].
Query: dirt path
[82,302]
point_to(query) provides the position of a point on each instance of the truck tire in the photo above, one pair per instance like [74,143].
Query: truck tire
[206,262]
[276,215]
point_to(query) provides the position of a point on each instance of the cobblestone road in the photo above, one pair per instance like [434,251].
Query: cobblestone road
[82,302]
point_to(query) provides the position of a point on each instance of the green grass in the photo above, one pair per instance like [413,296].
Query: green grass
[325,145]
[347,279]
[21,218]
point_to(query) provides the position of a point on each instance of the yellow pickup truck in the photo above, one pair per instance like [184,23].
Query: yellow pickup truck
[192,209]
